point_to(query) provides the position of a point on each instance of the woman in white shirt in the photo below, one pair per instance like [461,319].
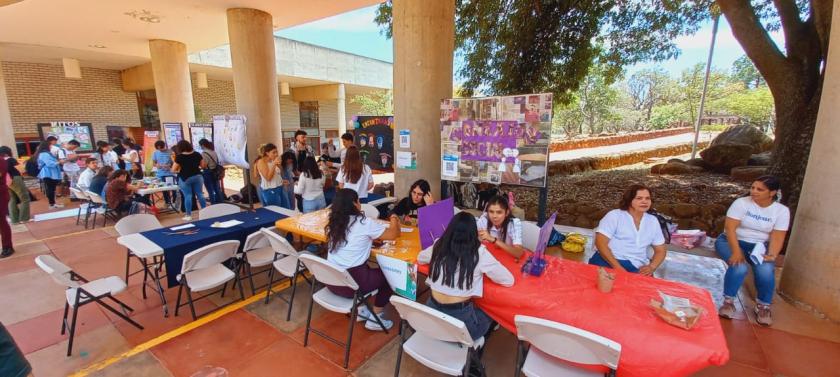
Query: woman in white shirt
[457,265]
[310,186]
[350,236]
[624,235]
[755,230]
[131,157]
[271,180]
[354,174]
[498,226]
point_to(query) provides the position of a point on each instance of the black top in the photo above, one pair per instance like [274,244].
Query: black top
[407,208]
[189,163]
[13,171]
[97,184]
[119,150]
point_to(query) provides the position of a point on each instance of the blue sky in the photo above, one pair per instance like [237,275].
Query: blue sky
[355,32]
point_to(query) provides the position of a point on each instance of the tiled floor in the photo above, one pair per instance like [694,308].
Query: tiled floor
[256,340]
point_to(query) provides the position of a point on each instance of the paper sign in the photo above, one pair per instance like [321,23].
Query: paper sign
[405,139]
[545,235]
[172,134]
[231,138]
[407,160]
[449,169]
[433,219]
[149,139]
[401,275]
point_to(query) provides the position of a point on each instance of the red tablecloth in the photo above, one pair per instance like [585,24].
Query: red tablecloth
[567,293]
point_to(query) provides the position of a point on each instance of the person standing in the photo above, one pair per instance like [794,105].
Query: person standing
[18,193]
[131,155]
[301,149]
[119,150]
[50,172]
[105,156]
[310,186]
[69,162]
[346,142]
[271,179]
[163,164]
[211,173]
[5,229]
[188,165]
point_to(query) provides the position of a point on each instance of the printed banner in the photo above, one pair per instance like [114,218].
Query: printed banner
[231,140]
[66,131]
[200,131]
[149,139]
[401,275]
[172,134]
[374,136]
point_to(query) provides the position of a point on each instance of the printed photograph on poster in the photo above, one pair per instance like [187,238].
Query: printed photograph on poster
[405,139]
[374,137]
[200,131]
[407,160]
[231,139]
[172,134]
[533,166]
[66,131]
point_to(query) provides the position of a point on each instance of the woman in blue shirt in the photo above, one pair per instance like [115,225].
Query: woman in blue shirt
[50,172]
[162,159]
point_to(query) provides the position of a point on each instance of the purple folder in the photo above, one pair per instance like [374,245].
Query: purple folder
[433,219]
[545,235]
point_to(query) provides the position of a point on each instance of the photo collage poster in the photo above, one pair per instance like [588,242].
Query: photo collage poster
[500,140]
[66,131]
[200,131]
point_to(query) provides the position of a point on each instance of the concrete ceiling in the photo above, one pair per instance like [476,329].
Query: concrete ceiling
[115,34]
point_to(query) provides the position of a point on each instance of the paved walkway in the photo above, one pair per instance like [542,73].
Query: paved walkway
[627,147]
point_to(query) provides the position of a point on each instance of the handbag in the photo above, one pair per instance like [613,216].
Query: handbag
[219,170]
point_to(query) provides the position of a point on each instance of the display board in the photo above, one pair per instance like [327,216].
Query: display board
[200,131]
[374,136]
[231,140]
[172,134]
[66,131]
[115,132]
[149,139]
[496,139]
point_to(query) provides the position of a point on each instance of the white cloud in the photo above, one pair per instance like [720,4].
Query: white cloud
[725,39]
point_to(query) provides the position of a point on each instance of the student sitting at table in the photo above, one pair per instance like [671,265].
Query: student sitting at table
[122,197]
[350,236]
[92,165]
[136,171]
[624,235]
[97,183]
[498,226]
[419,195]
[354,174]
[310,186]
[457,265]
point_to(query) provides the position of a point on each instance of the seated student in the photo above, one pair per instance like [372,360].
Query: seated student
[310,186]
[136,171]
[457,265]
[350,236]
[97,183]
[87,175]
[419,195]
[354,174]
[498,226]
[624,235]
[121,196]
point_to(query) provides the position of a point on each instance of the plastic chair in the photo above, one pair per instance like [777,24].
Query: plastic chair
[530,235]
[97,202]
[133,224]
[328,273]
[288,265]
[79,194]
[553,342]
[370,211]
[257,252]
[439,341]
[203,269]
[217,210]
[79,291]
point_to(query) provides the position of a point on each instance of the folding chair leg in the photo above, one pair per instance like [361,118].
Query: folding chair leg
[72,329]
[353,314]
[115,311]
[270,282]
[79,215]
[145,275]
[93,223]
[127,263]
[292,297]
[375,317]
[400,350]
[309,318]
[178,300]
[224,288]
[64,319]
[160,289]
[519,357]
[192,306]
[242,290]
[251,279]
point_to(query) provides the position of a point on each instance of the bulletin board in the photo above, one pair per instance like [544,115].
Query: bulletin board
[374,136]
[66,131]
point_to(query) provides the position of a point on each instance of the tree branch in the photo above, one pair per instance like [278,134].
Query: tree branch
[791,23]
[821,11]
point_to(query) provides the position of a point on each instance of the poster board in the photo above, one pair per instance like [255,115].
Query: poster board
[374,136]
[172,134]
[200,131]
[149,139]
[433,219]
[115,132]
[500,140]
[231,139]
[66,131]
[401,275]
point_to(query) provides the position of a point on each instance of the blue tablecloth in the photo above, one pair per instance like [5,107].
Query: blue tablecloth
[330,194]
[175,247]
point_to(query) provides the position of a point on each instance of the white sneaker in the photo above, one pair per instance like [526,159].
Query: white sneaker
[362,314]
[58,205]
[100,210]
[187,218]
[372,325]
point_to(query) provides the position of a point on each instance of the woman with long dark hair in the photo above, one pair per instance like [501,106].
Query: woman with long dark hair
[350,236]
[105,156]
[755,230]
[188,165]
[50,172]
[498,226]
[121,196]
[419,195]
[211,172]
[310,186]
[98,182]
[354,174]
[288,170]
[131,155]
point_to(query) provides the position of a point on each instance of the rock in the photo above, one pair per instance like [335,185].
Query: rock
[569,209]
[597,216]
[718,226]
[760,159]
[722,158]
[711,211]
[697,224]
[665,209]
[744,134]
[587,209]
[697,162]
[748,173]
[582,222]
[675,168]
[675,161]
[685,210]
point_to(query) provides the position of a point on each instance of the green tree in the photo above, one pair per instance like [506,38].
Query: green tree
[567,119]
[380,102]
[754,106]
[743,70]
[646,89]
[596,100]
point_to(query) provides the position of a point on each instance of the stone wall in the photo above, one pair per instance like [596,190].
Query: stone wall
[578,165]
[600,141]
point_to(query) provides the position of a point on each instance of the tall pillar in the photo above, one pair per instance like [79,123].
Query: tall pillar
[424,42]
[7,133]
[173,87]
[809,276]
[341,109]
[255,75]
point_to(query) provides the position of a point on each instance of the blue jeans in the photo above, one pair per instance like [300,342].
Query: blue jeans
[314,204]
[764,273]
[478,322]
[598,260]
[192,186]
[273,197]
[214,191]
[287,199]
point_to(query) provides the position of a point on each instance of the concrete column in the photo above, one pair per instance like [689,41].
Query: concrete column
[424,42]
[255,75]
[809,277]
[7,133]
[173,87]
[341,109]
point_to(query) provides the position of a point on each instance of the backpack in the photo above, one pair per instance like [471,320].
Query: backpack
[31,167]
[665,223]
[219,170]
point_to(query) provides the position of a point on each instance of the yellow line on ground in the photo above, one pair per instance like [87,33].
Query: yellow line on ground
[59,236]
[177,332]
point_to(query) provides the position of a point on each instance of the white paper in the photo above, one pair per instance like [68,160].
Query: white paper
[406,230]
[404,160]
[179,227]
[230,137]
[405,139]
[395,271]
[674,303]
[449,167]
[226,224]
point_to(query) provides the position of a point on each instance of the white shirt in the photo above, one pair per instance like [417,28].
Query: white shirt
[54,150]
[514,229]
[627,242]
[110,159]
[361,186]
[343,154]
[487,264]
[84,179]
[356,250]
[275,181]
[309,188]
[68,166]
[757,222]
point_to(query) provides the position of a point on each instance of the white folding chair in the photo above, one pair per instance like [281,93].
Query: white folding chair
[134,224]
[283,211]
[85,202]
[530,235]
[328,273]
[79,291]
[439,341]
[96,202]
[217,210]
[551,343]
[370,211]
[257,252]
[288,265]
[203,269]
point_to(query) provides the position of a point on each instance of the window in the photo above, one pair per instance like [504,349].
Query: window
[309,115]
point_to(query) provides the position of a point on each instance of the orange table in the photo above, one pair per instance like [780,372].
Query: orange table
[311,225]
[567,293]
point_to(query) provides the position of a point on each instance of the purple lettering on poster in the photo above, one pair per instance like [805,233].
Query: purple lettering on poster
[484,140]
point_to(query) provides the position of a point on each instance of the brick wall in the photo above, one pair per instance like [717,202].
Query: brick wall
[39,93]
[599,141]
[216,99]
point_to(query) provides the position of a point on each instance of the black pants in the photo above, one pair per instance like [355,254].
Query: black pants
[51,184]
